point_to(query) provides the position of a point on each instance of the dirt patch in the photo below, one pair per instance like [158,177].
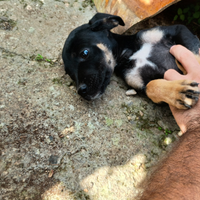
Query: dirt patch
[6,23]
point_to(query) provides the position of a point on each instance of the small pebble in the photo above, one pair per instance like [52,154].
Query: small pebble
[68,130]
[61,135]
[31,30]
[131,92]
[129,118]
[51,173]
[85,190]
[72,87]
[51,138]
[29,8]
[167,141]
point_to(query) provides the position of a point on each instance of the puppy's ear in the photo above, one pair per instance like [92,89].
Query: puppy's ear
[103,21]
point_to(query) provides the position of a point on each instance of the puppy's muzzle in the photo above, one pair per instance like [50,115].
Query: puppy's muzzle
[82,90]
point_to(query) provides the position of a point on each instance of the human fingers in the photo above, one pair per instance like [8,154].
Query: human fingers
[186,118]
[185,57]
[172,74]
[180,117]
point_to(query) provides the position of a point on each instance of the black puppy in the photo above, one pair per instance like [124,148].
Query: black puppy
[92,53]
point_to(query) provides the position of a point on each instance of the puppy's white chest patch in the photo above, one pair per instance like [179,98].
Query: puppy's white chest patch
[142,55]
[133,77]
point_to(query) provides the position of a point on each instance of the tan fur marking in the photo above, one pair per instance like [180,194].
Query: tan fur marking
[108,55]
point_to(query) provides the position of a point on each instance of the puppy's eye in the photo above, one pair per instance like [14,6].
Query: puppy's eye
[84,54]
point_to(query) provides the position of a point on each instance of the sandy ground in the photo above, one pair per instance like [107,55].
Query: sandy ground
[53,144]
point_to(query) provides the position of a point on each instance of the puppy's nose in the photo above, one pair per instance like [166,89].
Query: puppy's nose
[82,89]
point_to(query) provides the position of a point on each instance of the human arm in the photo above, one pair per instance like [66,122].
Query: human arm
[177,177]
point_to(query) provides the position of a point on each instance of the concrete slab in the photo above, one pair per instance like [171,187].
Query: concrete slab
[53,144]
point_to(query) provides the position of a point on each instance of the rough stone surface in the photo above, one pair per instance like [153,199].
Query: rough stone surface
[53,144]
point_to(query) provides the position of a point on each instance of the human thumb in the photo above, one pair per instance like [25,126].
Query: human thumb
[172,74]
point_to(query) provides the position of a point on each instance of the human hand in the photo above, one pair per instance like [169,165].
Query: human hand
[186,119]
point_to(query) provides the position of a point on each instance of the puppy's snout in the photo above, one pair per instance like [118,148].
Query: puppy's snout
[82,89]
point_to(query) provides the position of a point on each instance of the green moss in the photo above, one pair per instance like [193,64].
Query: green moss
[87,3]
[57,81]
[109,121]
[81,195]
[39,58]
[116,140]
[22,82]
[6,53]
[39,2]
[140,114]
[42,59]
[118,122]
[142,120]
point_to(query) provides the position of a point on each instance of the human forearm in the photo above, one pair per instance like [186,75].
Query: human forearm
[178,176]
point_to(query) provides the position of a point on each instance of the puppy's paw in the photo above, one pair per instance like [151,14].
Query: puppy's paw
[187,94]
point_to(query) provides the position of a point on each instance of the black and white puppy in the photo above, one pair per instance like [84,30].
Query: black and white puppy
[92,53]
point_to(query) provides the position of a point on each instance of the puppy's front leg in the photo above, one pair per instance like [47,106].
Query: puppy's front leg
[182,94]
